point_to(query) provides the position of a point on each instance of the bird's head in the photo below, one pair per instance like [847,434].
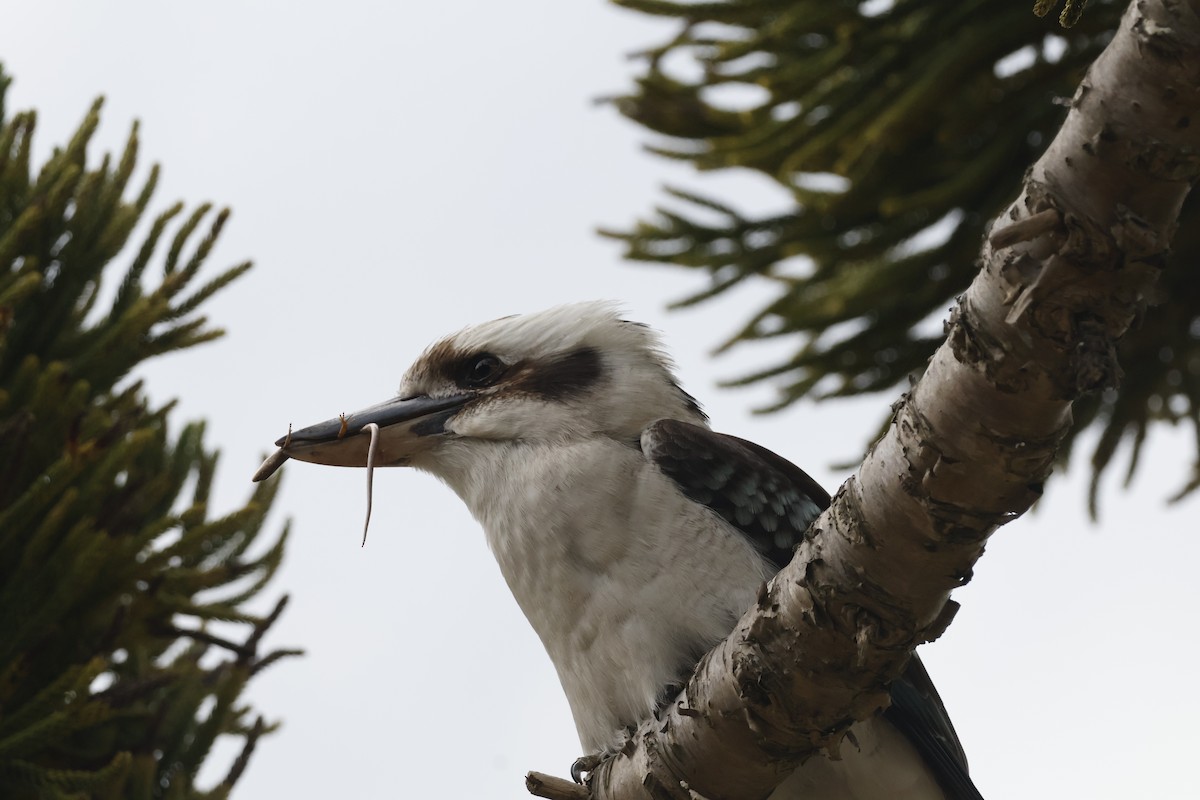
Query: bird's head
[570,372]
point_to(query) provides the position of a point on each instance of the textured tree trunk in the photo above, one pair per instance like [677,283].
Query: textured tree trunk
[1069,267]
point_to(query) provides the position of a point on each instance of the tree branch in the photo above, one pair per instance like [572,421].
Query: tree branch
[968,449]
[541,785]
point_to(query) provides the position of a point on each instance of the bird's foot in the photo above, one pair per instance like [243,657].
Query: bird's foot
[668,695]
[584,765]
[582,768]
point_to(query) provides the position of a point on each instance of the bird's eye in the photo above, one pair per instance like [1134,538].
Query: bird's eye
[482,371]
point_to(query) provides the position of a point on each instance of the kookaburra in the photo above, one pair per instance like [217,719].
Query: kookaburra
[632,536]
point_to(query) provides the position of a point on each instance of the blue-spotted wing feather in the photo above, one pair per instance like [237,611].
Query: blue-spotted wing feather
[772,501]
[768,498]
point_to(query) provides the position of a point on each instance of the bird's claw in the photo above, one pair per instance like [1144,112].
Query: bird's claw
[583,767]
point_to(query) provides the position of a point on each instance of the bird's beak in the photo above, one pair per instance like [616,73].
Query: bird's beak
[405,423]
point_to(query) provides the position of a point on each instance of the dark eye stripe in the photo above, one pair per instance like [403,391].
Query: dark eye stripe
[563,377]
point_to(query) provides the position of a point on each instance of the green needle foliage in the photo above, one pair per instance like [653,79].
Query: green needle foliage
[113,682]
[880,119]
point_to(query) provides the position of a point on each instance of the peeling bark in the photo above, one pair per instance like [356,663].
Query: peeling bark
[1070,267]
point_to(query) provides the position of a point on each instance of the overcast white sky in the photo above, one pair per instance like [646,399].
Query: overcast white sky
[400,170]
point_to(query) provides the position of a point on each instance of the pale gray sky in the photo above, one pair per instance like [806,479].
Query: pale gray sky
[400,170]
